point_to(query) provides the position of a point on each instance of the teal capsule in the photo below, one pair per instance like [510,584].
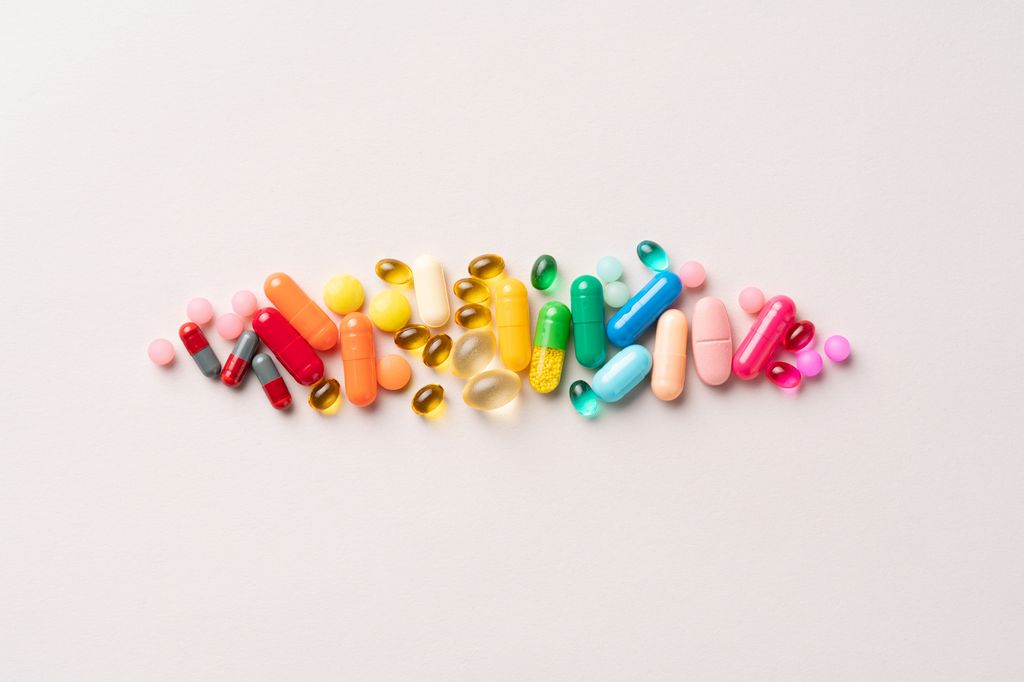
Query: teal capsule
[584,399]
[652,255]
[544,273]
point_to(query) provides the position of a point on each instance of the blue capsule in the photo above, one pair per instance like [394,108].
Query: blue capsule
[646,306]
[622,373]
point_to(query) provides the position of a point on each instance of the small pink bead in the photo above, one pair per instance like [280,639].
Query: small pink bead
[752,300]
[837,348]
[809,363]
[161,351]
[230,326]
[199,310]
[692,273]
[783,374]
[244,303]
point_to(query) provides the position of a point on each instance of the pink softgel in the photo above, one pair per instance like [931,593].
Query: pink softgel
[692,273]
[230,326]
[837,348]
[244,303]
[160,351]
[199,310]
[783,374]
[752,300]
[809,363]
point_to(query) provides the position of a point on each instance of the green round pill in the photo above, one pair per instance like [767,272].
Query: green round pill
[544,273]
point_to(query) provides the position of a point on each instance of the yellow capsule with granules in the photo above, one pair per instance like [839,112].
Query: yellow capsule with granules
[412,336]
[324,394]
[437,350]
[549,342]
[428,399]
[393,271]
[487,266]
[473,316]
[471,290]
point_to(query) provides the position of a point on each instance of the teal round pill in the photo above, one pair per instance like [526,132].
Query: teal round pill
[609,269]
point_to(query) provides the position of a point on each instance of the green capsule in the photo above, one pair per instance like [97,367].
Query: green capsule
[584,399]
[652,255]
[471,290]
[587,299]
[473,316]
[549,341]
[544,273]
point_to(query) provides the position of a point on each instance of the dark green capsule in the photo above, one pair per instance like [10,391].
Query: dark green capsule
[584,399]
[544,273]
[652,255]
[586,296]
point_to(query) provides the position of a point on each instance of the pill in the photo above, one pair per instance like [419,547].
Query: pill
[668,372]
[491,389]
[237,364]
[393,372]
[431,291]
[285,342]
[199,310]
[586,297]
[837,348]
[389,310]
[428,399]
[472,352]
[344,294]
[544,273]
[783,374]
[199,348]
[616,294]
[609,269]
[324,394]
[583,399]
[301,311]
[471,290]
[412,337]
[622,373]
[487,266]
[692,274]
[652,255]
[549,342]
[359,359]
[437,350]
[393,271]
[270,379]
[712,341]
[473,316]
[160,351]
[764,338]
[808,361]
[643,309]
[512,318]
[244,303]
[751,300]
[229,326]
[798,335]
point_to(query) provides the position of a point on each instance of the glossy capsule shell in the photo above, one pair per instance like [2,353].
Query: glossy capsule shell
[431,291]
[437,350]
[359,359]
[301,311]
[652,255]
[711,340]
[491,389]
[583,399]
[512,318]
[237,364]
[291,350]
[764,338]
[473,316]
[668,371]
[428,399]
[487,266]
[586,297]
[549,343]
[798,335]
[783,374]
[544,273]
[471,290]
[412,337]
[270,379]
[622,373]
[644,308]
[472,352]
[324,394]
[198,347]
[393,271]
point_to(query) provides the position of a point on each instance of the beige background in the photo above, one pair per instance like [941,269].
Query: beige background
[864,158]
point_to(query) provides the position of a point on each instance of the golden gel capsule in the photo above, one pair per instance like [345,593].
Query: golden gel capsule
[472,352]
[324,394]
[471,290]
[428,399]
[491,389]
[437,350]
[473,316]
[487,266]
[512,318]
[393,271]
[412,336]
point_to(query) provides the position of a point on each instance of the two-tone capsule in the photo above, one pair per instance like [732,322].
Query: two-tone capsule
[273,385]
[359,358]
[549,342]
[512,318]
[291,350]
[644,308]
[237,364]
[586,296]
[199,348]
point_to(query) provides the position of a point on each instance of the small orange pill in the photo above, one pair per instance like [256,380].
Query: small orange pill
[393,372]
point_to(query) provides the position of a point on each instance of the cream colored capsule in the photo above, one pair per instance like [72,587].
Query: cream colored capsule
[431,291]
[668,374]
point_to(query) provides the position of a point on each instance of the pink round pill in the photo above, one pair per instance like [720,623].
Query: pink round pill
[809,362]
[837,348]
[199,310]
[161,351]
[692,273]
[752,300]
[230,326]
[244,303]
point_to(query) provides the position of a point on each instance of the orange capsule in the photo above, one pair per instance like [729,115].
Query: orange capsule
[300,311]
[359,359]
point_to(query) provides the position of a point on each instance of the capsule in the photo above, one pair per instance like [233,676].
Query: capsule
[621,373]
[199,348]
[237,364]
[393,271]
[586,296]
[646,306]
[764,337]
[783,374]
[291,350]
[431,291]
[652,255]
[512,317]
[428,399]
[668,374]
[301,311]
[437,350]
[549,342]
[711,341]
[472,352]
[273,385]
[491,389]
[544,273]
[487,266]
[798,335]
[324,394]
[583,399]
[412,337]
[359,359]
[473,316]
[471,290]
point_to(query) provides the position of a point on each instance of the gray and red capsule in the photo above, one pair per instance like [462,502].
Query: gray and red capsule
[237,364]
[273,385]
[199,348]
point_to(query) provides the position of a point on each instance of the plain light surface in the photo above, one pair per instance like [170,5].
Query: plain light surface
[863,158]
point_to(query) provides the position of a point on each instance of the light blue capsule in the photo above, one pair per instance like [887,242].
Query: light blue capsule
[646,306]
[622,373]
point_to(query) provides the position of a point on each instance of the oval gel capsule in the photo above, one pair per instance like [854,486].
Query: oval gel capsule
[549,342]
[237,364]
[291,350]
[621,373]
[586,296]
[359,359]
[273,385]
[431,291]
[668,374]
[301,311]
[512,317]
[764,337]
[199,348]
[646,306]
[712,341]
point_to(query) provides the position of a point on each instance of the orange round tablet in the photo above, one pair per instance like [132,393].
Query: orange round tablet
[393,372]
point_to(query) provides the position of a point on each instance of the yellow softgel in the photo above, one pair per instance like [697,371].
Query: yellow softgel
[343,294]
[393,271]
[546,368]
[491,389]
[473,316]
[428,399]
[487,266]
[389,311]
[472,352]
[324,394]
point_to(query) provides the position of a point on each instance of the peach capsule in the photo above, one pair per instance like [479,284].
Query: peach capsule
[712,341]
[301,312]
[359,359]
[668,373]
[764,337]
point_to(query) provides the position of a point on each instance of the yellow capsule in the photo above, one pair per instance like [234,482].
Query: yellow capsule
[512,318]
[546,368]
[487,266]
[412,337]
[393,271]
[471,290]
[491,389]
[428,399]
[473,316]
[437,350]
[324,394]
[472,352]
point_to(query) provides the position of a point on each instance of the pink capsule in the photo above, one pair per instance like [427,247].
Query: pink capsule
[798,335]
[783,374]
[764,337]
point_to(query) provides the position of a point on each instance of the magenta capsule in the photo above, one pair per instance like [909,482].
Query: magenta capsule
[798,335]
[783,374]
[763,338]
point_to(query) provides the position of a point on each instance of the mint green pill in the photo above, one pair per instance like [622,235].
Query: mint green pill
[584,399]
[544,273]
[616,294]
[609,269]
[652,255]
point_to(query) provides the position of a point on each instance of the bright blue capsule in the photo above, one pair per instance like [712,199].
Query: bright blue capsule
[641,311]
[622,373]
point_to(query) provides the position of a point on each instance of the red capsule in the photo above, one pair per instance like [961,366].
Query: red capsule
[798,335]
[783,374]
[293,351]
